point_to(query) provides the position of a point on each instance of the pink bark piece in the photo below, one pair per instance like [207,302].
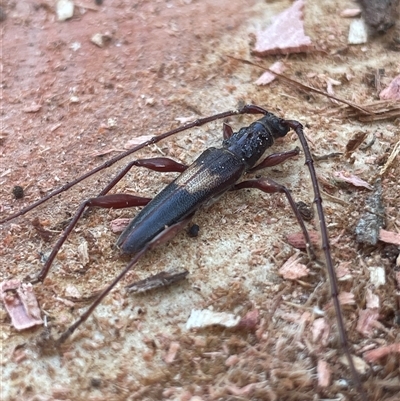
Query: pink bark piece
[321,331]
[392,92]
[352,179]
[286,34]
[389,237]
[298,241]
[33,108]
[20,303]
[375,354]
[350,12]
[367,321]
[323,373]
[172,351]
[250,320]
[119,225]
[345,298]
[268,76]
[292,269]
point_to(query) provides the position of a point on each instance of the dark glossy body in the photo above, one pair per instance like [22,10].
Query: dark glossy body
[213,173]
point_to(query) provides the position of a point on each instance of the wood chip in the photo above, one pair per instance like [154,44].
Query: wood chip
[392,92]
[20,303]
[172,351]
[352,179]
[350,13]
[119,225]
[392,157]
[324,373]
[372,299]
[44,234]
[203,318]
[376,354]
[354,143]
[359,363]
[358,32]
[292,269]
[286,33]
[298,241]
[389,237]
[83,252]
[250,320]
[268,76]
[367,321]
[33,108]
[137,141]
[163,279]
[377,276]
[321,331]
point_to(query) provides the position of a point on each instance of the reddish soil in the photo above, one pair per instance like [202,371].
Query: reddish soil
[68,105]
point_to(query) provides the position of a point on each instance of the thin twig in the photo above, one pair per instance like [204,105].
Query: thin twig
[307,87]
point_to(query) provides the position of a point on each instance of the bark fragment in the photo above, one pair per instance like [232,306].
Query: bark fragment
[20,303]
[286,34]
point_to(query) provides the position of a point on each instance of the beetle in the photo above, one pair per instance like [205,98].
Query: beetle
[215,171]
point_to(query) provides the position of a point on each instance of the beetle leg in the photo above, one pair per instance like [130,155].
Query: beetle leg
[298,128]
[251,109]
[227,131]
[114,201]
[269,186]
[161,238]
[275,159]
[162,164]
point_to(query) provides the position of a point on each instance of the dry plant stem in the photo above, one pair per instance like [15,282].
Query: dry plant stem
[307,87]
[393,155]
[381,110]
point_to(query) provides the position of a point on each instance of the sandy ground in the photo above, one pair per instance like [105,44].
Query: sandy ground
[69,105]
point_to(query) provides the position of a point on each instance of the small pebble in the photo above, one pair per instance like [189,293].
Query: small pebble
[65,9]
[18,192]
[193,230]
[97,39]
[358,32]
